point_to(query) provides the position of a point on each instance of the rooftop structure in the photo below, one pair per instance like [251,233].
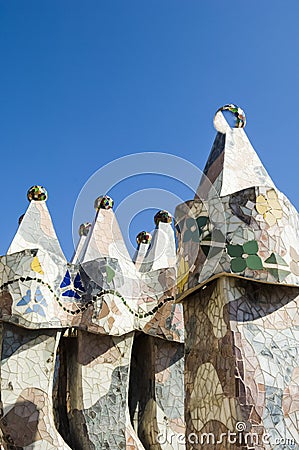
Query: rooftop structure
[112,352]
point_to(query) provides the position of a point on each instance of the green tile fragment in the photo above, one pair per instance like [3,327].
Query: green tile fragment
[110,274]
[235,250]
[254,262]
[238,265]
[274,258]
[201,221]
[279,274]
[251,247]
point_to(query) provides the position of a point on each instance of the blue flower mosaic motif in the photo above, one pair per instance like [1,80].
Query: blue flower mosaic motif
[72,288]
[38,303]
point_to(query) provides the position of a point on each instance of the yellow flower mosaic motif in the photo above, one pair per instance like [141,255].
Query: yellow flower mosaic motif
[183,275]
[269,207]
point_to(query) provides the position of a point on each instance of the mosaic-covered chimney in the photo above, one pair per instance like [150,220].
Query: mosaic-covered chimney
[238,265]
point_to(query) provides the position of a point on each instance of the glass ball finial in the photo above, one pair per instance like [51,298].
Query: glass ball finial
[84,229]
[162,216]
[236,111]
[144,237]
[103,202]
[37,193]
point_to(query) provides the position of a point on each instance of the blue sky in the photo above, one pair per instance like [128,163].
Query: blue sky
[84,83]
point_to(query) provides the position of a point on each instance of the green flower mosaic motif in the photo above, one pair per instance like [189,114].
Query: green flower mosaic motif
[244,256]
[194,228]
